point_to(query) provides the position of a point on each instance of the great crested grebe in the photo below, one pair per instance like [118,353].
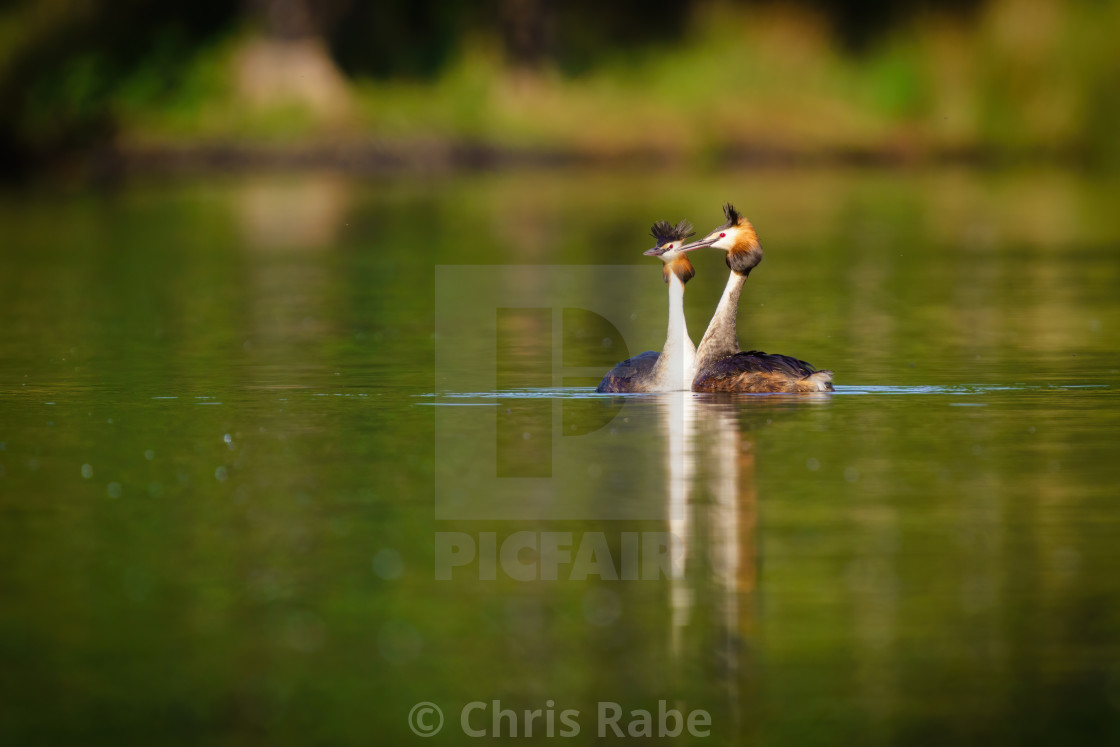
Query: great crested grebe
[720,366]
[673,369]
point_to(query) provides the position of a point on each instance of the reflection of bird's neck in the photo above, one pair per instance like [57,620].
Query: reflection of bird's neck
[676,364]
[721,338]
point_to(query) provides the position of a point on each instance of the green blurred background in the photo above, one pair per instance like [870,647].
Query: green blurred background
[218,395]
[96,84]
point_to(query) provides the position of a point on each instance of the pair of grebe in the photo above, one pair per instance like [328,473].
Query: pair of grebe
[717,365]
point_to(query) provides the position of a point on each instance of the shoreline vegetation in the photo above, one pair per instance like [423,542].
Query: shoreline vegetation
[427,157]
[1011,82]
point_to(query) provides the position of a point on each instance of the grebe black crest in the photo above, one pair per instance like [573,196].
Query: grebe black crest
[665,232]
[720,365]
[673,369]
[732,215]
[670,238]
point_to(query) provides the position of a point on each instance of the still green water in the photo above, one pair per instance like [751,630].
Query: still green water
[231,460]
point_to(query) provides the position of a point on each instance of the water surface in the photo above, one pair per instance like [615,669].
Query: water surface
[228,447]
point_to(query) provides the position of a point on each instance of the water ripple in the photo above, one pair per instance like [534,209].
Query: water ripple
[456,398]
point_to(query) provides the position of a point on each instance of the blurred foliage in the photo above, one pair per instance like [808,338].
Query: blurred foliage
[695,80]
[66,65]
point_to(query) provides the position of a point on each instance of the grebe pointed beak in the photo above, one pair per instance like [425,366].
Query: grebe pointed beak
[654,252]
[699,244]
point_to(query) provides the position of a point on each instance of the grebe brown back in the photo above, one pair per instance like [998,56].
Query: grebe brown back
[675,366]
[720,365]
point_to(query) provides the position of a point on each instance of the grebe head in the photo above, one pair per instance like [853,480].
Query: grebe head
[670,242]
[737,238]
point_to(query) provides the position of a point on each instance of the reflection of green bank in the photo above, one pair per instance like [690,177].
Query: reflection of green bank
[907,568]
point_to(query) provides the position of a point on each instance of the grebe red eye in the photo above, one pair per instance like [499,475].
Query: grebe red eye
[722,235]
[670,246]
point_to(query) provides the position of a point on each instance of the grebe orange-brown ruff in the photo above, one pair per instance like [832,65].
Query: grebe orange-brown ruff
[720,366]
[673,369]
